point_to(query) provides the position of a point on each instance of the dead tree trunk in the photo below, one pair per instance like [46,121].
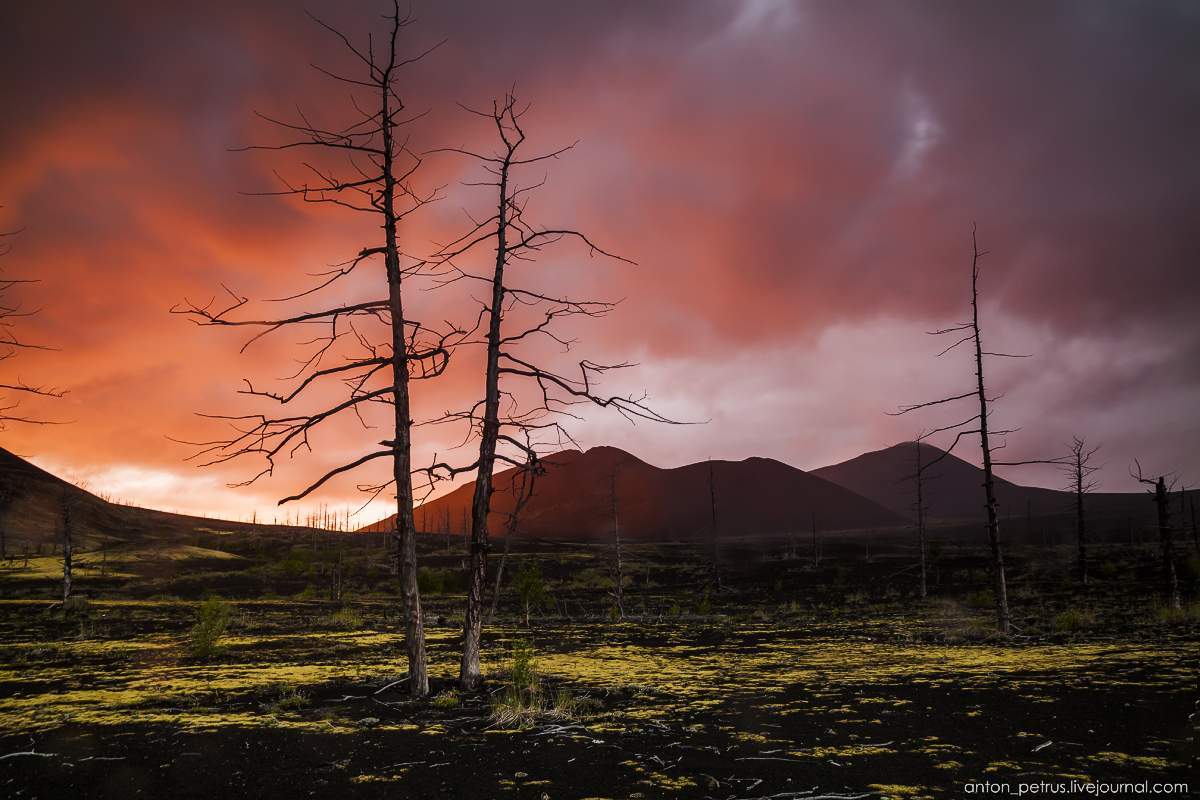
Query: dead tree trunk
[999,587]
[1080,470]
[378,351]
[920,479]
[1162,504]
[1167,544]
[469,673]
[970,333]
[515,240]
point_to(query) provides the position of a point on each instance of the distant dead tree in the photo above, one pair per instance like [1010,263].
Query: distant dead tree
[816,543]
[1080,471]
[8,495]
[1166,535]
[970,334]
[370,347]
[714,534]
[618,566]
[921,508]
[68,532]
[535,397]
[522,493]
[13,391]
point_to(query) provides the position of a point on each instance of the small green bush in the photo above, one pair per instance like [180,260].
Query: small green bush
[530,587]
[212,620]
[1073,619]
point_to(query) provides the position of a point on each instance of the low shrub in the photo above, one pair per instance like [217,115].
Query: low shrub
[212,620]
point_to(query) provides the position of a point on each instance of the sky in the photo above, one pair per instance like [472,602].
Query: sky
[797,183]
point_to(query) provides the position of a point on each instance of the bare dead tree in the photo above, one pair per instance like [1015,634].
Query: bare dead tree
[9,490]
[1162,503]
[370,347]
[969,333]
[618,565]
[714,532]
[522,493]
[535,397]
[67,546]
[14,390]
[1080,471]
[921,508]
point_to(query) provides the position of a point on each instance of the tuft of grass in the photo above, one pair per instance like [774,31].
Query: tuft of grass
[347,619]
[446,700]
[523,700]
[212,620]
[288,698]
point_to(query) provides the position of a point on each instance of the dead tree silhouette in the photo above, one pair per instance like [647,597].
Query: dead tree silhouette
[1166,534]
[618,566]
[970,333]
[921,508]
[535,397]
[68,546]
[1080,471]
[370,347]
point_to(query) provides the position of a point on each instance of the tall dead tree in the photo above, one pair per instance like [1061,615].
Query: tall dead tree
[1080,471]
[970,333]
[1166,535]
[535,397]
[370,347]
[714,534]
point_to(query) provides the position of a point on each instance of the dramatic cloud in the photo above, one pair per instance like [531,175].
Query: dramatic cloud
[797,182]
